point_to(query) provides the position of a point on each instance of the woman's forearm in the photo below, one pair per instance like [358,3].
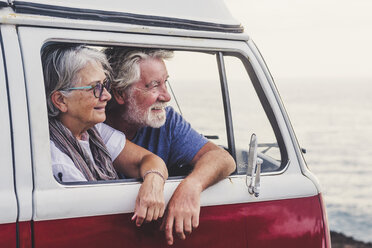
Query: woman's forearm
[152,164]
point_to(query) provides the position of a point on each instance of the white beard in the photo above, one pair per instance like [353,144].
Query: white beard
[137,116]
[156,120]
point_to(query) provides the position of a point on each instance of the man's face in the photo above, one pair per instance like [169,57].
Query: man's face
[147,98]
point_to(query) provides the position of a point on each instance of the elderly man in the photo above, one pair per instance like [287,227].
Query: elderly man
[139,110]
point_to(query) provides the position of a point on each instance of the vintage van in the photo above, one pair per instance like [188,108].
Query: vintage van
[221,85]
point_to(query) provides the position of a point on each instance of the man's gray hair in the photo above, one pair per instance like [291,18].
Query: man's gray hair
[125,63]
[61,66]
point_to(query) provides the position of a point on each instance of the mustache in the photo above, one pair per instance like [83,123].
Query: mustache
[159,105]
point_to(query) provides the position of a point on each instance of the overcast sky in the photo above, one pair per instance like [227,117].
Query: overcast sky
[312,39]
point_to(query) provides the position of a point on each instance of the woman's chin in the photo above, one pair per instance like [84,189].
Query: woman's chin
[99,118]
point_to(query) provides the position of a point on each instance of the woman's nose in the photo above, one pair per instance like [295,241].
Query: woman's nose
[106,96]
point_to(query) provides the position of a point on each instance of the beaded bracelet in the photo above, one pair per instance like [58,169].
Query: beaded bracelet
[153,171]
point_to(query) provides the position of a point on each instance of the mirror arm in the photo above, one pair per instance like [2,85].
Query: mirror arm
[254,168]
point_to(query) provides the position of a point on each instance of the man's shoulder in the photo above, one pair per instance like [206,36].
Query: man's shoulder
[170,112]
[173,117]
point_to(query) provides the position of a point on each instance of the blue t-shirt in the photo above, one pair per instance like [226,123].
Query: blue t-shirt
[175,142]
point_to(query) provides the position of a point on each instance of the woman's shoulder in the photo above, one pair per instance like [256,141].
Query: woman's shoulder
[106,132]
[113,139]
[102,127]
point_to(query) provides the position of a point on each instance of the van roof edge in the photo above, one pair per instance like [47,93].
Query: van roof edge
[24,7]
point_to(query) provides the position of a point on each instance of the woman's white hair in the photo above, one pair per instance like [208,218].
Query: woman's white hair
[61,66]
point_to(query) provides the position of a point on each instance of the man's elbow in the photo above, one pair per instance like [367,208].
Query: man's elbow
[230,164]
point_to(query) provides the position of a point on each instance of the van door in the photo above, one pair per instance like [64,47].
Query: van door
[98,214]
[226,96]
[8,202]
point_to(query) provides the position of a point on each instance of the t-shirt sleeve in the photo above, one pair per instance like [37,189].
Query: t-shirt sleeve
[186,142]
[114,139]
[63,167]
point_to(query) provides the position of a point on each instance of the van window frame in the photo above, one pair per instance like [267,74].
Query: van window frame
[220,54]
[223,52]
[266,106]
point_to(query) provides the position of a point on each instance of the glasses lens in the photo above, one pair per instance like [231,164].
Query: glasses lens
[98,90]
[107,84]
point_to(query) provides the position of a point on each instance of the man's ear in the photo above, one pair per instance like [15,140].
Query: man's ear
[58,100]
[119,96]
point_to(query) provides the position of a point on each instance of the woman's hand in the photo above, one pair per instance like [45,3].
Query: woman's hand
[137,162]
[150,203]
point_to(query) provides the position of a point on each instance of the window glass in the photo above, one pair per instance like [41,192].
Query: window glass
[249,117]
[195,81]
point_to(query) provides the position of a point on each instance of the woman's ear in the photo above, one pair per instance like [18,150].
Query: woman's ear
[58,99]
[119,96]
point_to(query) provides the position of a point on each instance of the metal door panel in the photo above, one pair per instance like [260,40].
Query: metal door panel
[8,236]
[19,122]
[284,223]
[8,201]
[78,213]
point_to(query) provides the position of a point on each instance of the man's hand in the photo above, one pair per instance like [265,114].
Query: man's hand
[183,210]
[211,164]
[150,200]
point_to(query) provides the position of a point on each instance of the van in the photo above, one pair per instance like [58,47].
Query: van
[221,85]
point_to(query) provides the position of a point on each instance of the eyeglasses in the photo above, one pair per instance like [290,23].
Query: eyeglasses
[97,89]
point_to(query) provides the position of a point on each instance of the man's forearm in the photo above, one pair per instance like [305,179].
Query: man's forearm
[212,166]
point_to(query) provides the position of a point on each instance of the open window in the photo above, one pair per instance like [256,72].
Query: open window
[220,96]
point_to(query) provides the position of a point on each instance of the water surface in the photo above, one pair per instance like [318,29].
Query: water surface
[333,121]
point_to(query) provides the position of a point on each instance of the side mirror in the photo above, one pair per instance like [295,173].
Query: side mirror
[252,178]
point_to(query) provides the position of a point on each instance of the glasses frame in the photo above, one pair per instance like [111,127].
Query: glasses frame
[97,87]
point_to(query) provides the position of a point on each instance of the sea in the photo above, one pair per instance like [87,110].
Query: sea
[333,122]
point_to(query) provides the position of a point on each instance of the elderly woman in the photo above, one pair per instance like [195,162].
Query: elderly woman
[83,148]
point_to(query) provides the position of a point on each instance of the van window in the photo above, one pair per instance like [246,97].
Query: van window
[249,117]
[196,86]
[195,89]
[196,94]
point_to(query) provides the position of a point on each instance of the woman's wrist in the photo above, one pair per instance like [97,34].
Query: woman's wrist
[153,172]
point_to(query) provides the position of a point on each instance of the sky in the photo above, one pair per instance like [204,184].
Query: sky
[317,39]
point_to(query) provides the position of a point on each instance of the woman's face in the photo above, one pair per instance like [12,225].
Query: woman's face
[84,110]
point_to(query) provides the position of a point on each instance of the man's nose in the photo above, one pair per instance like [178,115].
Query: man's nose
[164,95]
